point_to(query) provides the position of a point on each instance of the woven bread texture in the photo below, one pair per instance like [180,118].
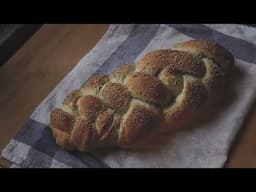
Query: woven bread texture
[165,88]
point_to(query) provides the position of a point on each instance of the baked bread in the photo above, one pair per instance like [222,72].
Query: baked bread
[164,89]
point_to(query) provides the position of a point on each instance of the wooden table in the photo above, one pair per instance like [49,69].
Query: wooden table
[35,69]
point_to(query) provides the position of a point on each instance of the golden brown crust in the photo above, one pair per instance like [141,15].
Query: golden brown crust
[165,90]
[138,120]
[63,139]
[214,76]
[89,107]
[174,82]
[61,120]
[192,97]
[176,61]
[116,96]
[106,125]
[209,49]
[121,73]
[148,88]
[81,134]
[104,121]
[94,84]
[71,99]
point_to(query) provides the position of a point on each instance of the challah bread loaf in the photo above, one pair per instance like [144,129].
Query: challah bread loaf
[166,87]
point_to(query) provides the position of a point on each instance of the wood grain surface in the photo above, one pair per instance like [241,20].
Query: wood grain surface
[29,76]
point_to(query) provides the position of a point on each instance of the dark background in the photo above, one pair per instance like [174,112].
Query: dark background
[12,37]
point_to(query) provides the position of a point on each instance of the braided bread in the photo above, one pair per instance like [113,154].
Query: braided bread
[165,88]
